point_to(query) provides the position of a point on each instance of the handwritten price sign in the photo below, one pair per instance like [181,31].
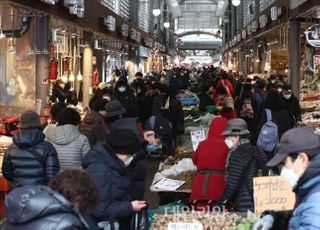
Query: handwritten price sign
[272,193]
[197,137]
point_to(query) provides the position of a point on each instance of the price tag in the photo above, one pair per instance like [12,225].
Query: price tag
[185,226]
[169,184]
[272,193]
[197,137]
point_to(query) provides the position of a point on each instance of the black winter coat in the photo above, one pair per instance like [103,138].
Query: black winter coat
[93,120]
[110,175]
[20,167]
[39,207]
[176,112]
[282,118]
[128,101]
[293,106]
[205,100]
[242,167]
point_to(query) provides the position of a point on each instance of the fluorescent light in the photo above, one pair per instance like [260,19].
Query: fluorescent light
[166,24]
[2,35]
[236,2]
[156,12]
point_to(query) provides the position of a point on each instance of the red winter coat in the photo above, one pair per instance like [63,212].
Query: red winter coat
[211,155]
[227,84]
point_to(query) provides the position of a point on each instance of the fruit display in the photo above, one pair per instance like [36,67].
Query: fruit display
[210,221]
[243,225]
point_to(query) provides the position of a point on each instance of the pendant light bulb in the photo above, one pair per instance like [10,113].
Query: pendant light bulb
[236,2]
[156,12]
[79,76]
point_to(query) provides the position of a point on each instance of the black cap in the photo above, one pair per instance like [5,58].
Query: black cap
[125,141]
[295,140]
[287,87]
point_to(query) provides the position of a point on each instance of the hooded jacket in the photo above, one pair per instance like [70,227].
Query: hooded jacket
[110,175]
[20,167]
[39,207]
[70,144]
[211,155]
[91,121]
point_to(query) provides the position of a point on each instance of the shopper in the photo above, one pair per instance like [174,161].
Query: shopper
[106,164]
[104,91]
[30,160]
[59,207]
[280,116]
[225,101]
[124,94]
[167,104]
[93,120]
[299,153]
[55,109]
[139,89]
[60,92]
[70,144]
[224,82]
[210,159]
[243,164]
[260,93]
[272,81]
[137,170]
[205,96]
[291,103]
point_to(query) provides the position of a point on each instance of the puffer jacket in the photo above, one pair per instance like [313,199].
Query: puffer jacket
[92,120]
[20,167]
[110,175]
[307,212]
[39,207]
[242,166]
[70,144]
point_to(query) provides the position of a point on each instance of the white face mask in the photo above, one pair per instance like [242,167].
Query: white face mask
[229,143]
[107,98]
[290,176]
[279,90]
[273,81]
[122,89]
[287,96]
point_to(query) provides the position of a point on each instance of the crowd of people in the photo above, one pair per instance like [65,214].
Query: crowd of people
[107,149]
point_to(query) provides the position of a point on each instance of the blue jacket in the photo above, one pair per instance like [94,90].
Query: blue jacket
[110,175]
[39,207]
[306,214]
[20,167]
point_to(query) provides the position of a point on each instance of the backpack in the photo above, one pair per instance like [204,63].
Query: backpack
[268,138]
[247,110]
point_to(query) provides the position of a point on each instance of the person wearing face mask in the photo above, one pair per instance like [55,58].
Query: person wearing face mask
[299,152]
[245,161]
[226,102]
[106,164]
[272,82]
[139,88]
[124,94]
[210,159]
[280,115]
[205,96]
[291,103]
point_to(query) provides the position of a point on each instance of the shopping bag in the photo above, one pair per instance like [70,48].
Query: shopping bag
[139,220]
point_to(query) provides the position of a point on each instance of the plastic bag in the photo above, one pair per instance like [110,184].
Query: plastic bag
[140,220]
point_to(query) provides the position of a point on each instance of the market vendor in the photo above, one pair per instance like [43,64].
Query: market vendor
[299,153]
[210,159]
[225,103]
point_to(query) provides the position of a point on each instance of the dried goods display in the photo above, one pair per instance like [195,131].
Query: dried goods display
[186,176]
[210,221]
[178,157]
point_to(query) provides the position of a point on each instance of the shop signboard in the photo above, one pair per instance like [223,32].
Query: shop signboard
[249,29]
[133,34]
[197,137]
[238,37]
[110,23]
[148,42]
[125,30]
[254,26]
[244,34]
[313,35]
[276,13]
[263,21]
[272,193]
[296,3]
